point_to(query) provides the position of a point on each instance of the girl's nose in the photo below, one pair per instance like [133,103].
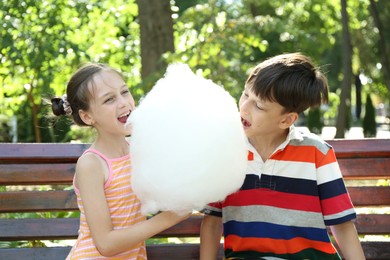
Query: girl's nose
[123,101]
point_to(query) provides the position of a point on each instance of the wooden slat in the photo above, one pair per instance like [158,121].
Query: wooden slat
[42,152]
[37,201]
[44,174]
[35,253]
[187,228]
[376,250]
[62,173]
[38,229]
[373,224]
[50,152]
[66,228]
[155,252]
[36,174]
[354,148]
[173,252]
[27,201]
[370,196]
[372,250]
[365,168]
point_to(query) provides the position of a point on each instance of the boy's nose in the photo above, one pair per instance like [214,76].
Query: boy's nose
[242,107]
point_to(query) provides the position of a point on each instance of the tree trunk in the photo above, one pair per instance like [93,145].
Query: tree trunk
[35,110]
[358,88]
[345,97]
[156,26]
[381,44]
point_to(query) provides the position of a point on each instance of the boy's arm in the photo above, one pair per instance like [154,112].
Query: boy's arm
[348,241]
[210,237]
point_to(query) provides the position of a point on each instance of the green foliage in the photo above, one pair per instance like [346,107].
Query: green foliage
[80,134]
[330,110]
[43,42]
[369,124]
[314,121]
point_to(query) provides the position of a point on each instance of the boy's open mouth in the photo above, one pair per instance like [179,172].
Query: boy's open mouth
[245,123]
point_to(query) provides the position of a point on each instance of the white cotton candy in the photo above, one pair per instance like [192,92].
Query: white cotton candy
[188,147]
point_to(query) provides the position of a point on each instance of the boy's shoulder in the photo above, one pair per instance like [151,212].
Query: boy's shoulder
[310,139]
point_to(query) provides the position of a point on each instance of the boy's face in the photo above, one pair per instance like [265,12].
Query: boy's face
[263,118]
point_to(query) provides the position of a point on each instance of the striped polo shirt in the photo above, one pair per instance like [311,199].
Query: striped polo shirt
[285,203]
[124,210]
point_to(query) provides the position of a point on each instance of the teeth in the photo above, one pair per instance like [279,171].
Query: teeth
[127,114]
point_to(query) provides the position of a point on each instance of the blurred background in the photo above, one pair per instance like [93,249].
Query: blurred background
[43,42]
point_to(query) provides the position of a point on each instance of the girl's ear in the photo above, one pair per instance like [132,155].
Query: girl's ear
[86,117]
[288,120]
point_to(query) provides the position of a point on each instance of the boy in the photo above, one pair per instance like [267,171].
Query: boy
[293,187]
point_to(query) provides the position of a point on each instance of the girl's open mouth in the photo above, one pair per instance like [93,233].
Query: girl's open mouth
[123,118]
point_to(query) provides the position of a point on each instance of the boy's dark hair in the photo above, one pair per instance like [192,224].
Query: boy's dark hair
[290,80]
[78,94]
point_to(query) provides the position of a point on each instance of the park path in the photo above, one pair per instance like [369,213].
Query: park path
[329,132]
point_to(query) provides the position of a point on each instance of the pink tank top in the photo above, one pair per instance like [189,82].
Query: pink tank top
[124,209]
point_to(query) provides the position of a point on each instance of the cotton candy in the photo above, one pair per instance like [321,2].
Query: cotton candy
[187,147]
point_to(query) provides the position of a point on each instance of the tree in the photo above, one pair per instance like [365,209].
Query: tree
[369,124]
[382,46]
[156,35]
[358,89]
[345,97]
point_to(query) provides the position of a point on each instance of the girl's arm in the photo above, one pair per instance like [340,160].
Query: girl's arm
[210,237]
[348,241]
[90,179]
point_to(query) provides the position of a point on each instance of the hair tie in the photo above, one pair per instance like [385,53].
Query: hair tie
[67,107]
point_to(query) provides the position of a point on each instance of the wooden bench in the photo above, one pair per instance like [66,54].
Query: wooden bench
[24,168]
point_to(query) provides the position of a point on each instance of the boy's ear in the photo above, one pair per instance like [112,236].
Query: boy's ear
[86,117]
[288,120]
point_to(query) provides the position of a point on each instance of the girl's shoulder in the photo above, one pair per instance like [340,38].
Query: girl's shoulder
[90,162]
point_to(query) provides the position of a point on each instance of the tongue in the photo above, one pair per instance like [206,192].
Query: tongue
[122,119]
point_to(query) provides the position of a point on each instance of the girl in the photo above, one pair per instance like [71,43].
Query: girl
[111,224]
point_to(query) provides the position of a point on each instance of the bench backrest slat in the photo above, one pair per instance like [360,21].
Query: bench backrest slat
[42,152]
[36,174]
[38,201]
[66,228]
[70,152]
[361,148]
[370,196]
[365,168]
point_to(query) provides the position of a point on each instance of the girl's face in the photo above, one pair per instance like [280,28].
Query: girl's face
[111,103]
[260,117]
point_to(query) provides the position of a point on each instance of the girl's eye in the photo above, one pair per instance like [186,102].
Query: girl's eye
[125,92]
[108,100]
